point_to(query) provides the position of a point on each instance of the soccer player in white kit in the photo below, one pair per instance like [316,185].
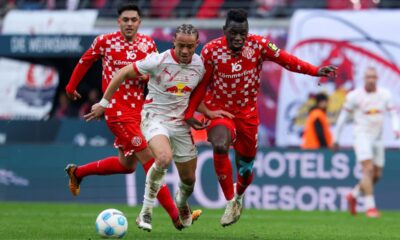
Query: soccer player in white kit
[368,106]
[173,76]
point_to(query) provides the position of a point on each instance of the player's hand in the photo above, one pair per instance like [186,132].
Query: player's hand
[335,147]
[144,78]
[196,124]
[96,113]
[73,96]
[327,71]
[218,114]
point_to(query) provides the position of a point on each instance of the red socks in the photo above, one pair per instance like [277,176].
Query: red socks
[164,196]
[243,183]
[106,166]
[223,169]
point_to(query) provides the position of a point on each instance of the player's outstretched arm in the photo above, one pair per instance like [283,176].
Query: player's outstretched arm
[84,64]
[118,78]
[98,108]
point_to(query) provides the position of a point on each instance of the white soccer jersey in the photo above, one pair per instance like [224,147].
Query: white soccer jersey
[368,109]
[170,85]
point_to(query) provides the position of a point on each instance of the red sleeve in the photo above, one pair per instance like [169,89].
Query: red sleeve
[135,69]
[272,53]
[200,91]
[294,64]
[86,61]
[153,47]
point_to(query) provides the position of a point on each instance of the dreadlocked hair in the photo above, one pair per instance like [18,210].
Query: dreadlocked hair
[187,29]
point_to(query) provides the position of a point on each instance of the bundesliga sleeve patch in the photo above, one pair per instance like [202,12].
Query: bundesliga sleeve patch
[273,47]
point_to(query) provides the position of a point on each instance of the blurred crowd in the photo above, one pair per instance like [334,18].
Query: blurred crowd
[199,8]
[66,108]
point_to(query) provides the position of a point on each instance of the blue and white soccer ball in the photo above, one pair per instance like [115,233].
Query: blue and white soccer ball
[111,223]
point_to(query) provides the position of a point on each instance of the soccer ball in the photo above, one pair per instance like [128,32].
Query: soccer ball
[111,223]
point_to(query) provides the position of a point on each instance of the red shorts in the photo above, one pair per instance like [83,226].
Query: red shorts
[128,136]
[244,133]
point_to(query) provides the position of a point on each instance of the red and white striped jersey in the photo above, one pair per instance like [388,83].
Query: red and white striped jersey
[116,52]
[233,79]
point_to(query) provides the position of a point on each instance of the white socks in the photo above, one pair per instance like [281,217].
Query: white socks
[154,180]
[356,192]
[184,193]
[369,202]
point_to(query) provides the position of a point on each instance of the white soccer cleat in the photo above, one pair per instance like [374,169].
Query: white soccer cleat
[232,212]
[143,221]
[185,214]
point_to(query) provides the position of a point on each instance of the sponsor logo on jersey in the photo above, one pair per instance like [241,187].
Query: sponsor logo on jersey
[179,89]
[143,47]
[248,52]
[273,47]
[225,56]
[121,62]
[373,111]
[236,67]
[130,55]
[136,141]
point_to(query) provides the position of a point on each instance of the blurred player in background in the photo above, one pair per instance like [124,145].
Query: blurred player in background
[122,115]
[317,133]
[233,64]
[173,75]
[368,106]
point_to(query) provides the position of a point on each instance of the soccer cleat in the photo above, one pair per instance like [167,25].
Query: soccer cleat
[351,204]
[74,182]
[372,213]
[185,215]
[195,216]
[232,212]
[143,221]
[178,224]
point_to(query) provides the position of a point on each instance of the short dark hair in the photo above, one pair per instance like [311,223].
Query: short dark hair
[237,15]
[127,7]
[321,97]
[187,29]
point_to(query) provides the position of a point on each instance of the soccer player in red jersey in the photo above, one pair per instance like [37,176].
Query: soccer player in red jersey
[231,82]
[122,115]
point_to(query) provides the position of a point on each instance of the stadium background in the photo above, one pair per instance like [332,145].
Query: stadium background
[40,132]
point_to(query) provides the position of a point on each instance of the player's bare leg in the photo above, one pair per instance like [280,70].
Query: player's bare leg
[186,185]
[163,156]
[164,196]
[372,211]
[367,187]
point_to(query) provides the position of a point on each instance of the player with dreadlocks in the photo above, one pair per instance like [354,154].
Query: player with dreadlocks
[173,76]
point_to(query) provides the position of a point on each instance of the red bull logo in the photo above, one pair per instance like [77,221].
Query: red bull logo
[180,89]
[373,111]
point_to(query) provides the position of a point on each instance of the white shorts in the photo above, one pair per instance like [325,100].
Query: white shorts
[368,149]
[180,138]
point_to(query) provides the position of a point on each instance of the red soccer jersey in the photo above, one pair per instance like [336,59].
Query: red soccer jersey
[116,52]
[233,80]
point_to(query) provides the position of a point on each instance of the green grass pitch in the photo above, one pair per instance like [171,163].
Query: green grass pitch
[76,221]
